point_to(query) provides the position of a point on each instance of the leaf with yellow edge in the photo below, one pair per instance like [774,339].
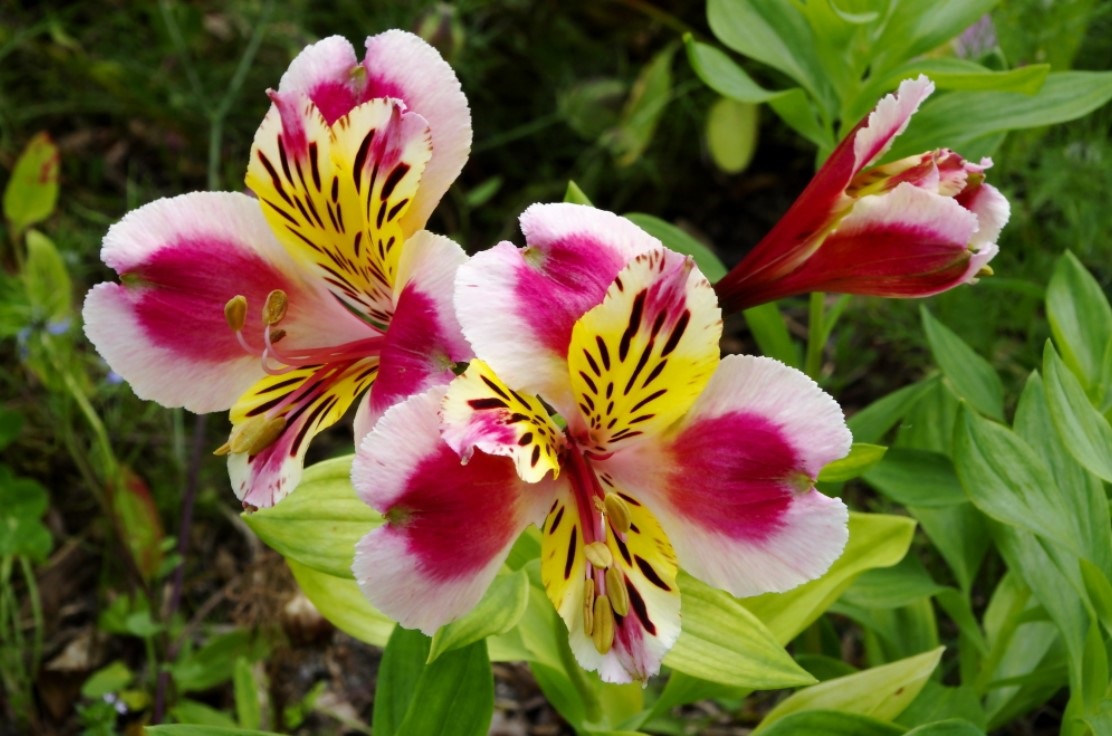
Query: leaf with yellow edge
[880,692]
[340,601]
[875,540]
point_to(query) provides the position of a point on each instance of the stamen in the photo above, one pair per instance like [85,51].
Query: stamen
[598,554]
[603,633]
[589,607]
[617,511]
[235,312]
[985,270]
[275,308]
[616,591]
[224,449]
[256,434]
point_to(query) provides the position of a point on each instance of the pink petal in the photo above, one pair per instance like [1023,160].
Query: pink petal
[448,526]
[424,340]
[402,65]
[908,242]
[518,306]
[992,210]
[325,72]
[874,135]
[180,261]
[732,484]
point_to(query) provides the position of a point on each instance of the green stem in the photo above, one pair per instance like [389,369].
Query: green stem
[36,612]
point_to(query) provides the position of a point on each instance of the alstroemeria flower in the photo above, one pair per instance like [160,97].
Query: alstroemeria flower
[910,228]
[645,452]
[285,308]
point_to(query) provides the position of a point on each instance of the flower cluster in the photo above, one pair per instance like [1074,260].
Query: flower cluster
[575,383]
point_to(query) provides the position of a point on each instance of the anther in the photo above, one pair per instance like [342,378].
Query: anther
[235,312]
[275,308]
[603,634]
[589,607]
[276,335]
[616,591]
[598,554]
[985,270]
[223,450]
[617,511]
[256,434]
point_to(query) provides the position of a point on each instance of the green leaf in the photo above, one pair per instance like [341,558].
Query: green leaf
[732,130]
[403,663]
[861,457]
[958,120]
[651,93]
[968,374]
[830,723]
[340,601]
[574,195]
[771,334]
[892,587]
[678,240]
[723,642]
[501,607]
[32,192]
[1006,479]
[773,33]
[1084,430]
[719,72]
[458,688]
[917,478]
[191,730]
[23,503]
[1080,319]
[111,678]
[873,422]
[875,540]
[246,690]
[938,704]
[135,511]
[959,533]
[46,279]
[960,74]
[880,692]
[11,422]
[918,26]
[949,727]
[214,662]
[319,523]
[194,715]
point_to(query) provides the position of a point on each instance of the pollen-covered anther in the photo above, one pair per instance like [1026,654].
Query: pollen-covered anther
[617,511]
[603,634]
[589,606]
[235,312]
[275,308]
[256,434]
[616,591]
[985,270]
[598,554]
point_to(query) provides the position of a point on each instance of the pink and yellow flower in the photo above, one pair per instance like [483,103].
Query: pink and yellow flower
[910,228]
[600,410]
[286,307]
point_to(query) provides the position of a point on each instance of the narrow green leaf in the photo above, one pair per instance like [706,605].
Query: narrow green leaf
[892,587]
[456,689]
[1084,430]
[192,730]
[918,26]
[402,666]
[340,601]
[861,457]
[111,678]
[246,690]
[678,240]
[917,478]
[651,93]
[880,692]
[771,334]
[830,723]
[501,607]
[723,642]
[873,422]
[722,74]
[969,375]
[875,540]
[1080,318]
[32,191]
[1007,480]
[319,523]
[574,195]
[959,533]
[958,119]
[937,704]
[732,130]
[214,663]
[949,727]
